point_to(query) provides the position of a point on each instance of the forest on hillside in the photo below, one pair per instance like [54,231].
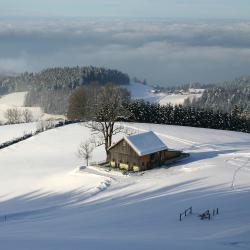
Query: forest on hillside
[99,104]
[51,88]
[225,96]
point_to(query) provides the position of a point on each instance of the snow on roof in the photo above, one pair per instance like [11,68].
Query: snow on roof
[146,143]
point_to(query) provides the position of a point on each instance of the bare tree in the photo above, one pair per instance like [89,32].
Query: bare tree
[85,151]
[27,116]
[44,125]
[13,116]
[106,112]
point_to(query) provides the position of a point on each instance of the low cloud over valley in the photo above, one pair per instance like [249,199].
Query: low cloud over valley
[162,51]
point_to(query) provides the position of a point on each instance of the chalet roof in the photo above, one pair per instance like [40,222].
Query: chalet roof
[145,143]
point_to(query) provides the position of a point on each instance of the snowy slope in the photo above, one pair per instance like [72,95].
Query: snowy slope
[176,98]
[9,132]
[16,100]
[140,91]
[50,205]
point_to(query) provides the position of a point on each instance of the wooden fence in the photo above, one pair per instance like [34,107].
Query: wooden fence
[186,212]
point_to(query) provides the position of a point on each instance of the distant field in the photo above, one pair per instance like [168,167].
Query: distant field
[16,100]
[140,91]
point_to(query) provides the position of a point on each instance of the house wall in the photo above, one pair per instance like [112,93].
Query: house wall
[125,157]
[144,162]
[171,154]
[123,153]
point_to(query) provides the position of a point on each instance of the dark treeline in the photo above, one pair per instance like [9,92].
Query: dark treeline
[9,84]
[51,88]
[83,100]
[61,78]
[145,112]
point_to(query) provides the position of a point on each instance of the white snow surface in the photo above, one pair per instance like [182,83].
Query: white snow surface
[50,204]
[16,100]
[10,132]
[141,91]
[146,143]
[176,99]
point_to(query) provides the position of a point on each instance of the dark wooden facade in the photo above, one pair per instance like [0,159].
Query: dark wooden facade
[123,156]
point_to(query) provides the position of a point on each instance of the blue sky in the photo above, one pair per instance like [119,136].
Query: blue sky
[223,9]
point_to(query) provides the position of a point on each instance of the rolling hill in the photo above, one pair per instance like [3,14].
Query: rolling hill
[137,90]
[17,100]
[50,204]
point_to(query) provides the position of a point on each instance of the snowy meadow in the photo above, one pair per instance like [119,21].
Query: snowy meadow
[47,203]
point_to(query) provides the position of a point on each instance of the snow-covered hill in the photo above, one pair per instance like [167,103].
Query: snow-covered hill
[16,100]
[138,91]
[10,132]
[49,204]
[146,92]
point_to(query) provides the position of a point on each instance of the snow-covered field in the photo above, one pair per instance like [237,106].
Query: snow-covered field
[49,204]
[176,98]
[140,91]
[10,132]
[16,100]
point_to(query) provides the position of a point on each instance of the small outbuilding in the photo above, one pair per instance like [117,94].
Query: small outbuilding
[140,152]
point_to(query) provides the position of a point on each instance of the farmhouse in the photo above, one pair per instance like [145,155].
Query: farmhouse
[140,152]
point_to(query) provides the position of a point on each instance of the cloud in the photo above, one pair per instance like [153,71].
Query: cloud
[164,52]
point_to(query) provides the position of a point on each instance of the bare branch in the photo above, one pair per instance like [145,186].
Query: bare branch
[85,150]
[13,116]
